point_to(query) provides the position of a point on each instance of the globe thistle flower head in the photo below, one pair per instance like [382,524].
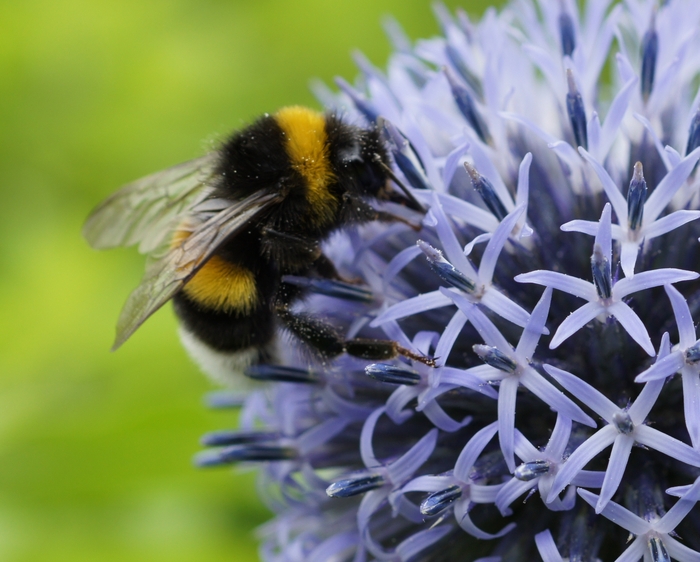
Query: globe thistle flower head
[552,279]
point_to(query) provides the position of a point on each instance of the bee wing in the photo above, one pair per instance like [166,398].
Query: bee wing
[165,275]
[146,211]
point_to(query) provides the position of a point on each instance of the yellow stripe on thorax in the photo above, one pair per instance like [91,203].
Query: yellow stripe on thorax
[307,148]
[221,285]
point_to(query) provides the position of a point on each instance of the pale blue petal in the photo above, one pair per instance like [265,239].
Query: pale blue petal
[580,458]
[414,305]
[579,225]
[525,450]
[472,450]
[522,194]
[553,397]
[691,403]
[491,335]
[589,478]
[633,325]
[635,551]
[669,223]
[663,368]
[506,419]
[560,437]
[421,540]
[678,551]
[584,392]
[618,514]
[441,420]
[510,492]
[643,404]
[366,448]
[649,279]
[449,336]
[567,283]
[452,248]
[484,494]
[681,508]
[620,454]
[655,139]
[668,186]
[401,470]
[613,119]
[497,302]
[398,262]
[655,439]
[575,321]
[611,190]
[496,243]
[462,516]
[546,547]
[535,327]
[684,320]
[452,161]
[603,238]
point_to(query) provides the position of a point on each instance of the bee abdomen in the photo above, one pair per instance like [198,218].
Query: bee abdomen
[224,286]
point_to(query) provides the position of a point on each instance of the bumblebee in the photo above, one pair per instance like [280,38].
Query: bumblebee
[222,231]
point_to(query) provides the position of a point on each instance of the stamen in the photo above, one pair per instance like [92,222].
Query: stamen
[445,270]
[623,422]
[692,354]
[331,288]
[244,453]
[576,111]
[693,134]
[360,102]
[602,276]
[567,34]
[531,470]
[465,103]
[487,192]
[650,50]
[393,374]
[495,357]
[658,550]
[405,156]
[636,196]
[438,502]
[354,486]
[281,373]
[237,437]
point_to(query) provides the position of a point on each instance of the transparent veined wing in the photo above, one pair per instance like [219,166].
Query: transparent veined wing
[146,211]
[167,274]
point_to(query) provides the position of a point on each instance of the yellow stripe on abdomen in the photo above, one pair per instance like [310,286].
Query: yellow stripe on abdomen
[307,147]
[223,286]
[220,285]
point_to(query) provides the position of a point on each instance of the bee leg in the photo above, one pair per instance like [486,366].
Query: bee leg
[356,209]
[325,339]
[288,250]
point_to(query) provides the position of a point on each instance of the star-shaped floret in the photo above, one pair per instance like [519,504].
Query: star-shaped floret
[625,428]
[685,358]
[605,295]
[654,538]
[458,490]
[539,468]
[463,277]
[512,368]
[638,216]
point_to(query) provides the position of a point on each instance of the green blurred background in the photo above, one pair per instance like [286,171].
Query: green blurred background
[95,447]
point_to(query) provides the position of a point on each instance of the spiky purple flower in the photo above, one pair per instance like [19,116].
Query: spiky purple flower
[558,420]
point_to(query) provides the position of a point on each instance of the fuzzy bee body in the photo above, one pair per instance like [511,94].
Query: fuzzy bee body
[222,232]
